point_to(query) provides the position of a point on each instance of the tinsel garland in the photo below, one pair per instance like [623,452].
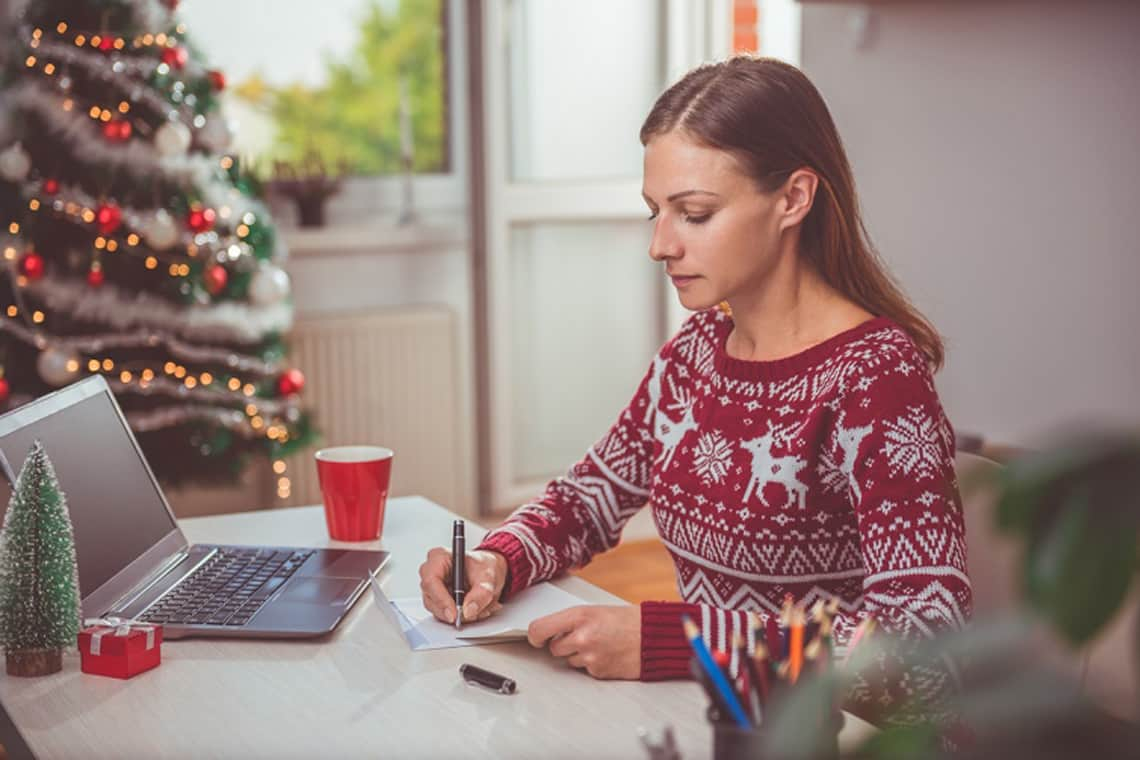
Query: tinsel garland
[135,157]
[227,322]
[91,344]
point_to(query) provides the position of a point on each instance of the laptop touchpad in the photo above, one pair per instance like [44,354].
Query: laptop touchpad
[336,591]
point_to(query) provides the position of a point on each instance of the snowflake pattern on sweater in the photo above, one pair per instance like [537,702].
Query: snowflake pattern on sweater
[826,473]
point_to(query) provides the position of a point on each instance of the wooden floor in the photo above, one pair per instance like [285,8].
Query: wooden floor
[637,571]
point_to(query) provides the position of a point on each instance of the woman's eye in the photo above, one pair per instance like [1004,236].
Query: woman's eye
[686,217]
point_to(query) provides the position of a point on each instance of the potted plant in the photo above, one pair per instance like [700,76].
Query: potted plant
[309,184]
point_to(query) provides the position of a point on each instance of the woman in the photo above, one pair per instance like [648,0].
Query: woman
[792,443]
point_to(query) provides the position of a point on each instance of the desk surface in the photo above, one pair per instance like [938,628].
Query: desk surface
[358,692]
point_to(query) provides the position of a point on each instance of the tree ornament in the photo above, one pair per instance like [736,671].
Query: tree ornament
[5,390]
[57,366]
[15,163]
[117,130]
[215,278]
[106,44]
[291,381]
[160,231]
[217,80]
[32,265]
[269,285]
[175,57]
[39,599]
[200,219]
[215,135]
[95,275]
[108,216]
[50,186]
[172,139]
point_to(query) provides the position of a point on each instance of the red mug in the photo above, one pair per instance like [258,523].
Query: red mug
[354,488]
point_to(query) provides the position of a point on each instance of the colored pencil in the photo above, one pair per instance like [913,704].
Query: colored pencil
[775,639]
[865,627]
[704,657]
[796,645]
[702,677]
[748,667]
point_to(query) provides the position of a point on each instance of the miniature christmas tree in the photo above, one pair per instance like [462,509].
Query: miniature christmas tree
[39,582]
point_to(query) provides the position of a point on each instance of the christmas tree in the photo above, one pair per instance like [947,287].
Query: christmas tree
[39,584]
[134,246]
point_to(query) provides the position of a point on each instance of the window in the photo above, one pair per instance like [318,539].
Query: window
[323,83]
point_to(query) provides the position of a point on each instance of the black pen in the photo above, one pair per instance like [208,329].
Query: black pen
[499,683]
[458,581]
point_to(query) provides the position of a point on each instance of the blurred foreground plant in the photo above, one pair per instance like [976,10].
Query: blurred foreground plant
[1074,510]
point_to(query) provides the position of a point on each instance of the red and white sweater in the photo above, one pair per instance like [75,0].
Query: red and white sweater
[830,472]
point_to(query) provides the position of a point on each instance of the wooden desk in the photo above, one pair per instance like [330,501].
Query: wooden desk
[359,692]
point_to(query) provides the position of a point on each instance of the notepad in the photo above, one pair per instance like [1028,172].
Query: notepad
[423,631]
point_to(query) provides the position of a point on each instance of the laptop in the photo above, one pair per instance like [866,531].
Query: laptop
[134,561]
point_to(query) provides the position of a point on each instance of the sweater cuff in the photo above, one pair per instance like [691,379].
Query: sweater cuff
[518,568]
[665,652]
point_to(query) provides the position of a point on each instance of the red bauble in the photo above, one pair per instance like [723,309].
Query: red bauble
[32,265]
[216,278]
[172,4]
[175,57]
[201,219]
[109,217]
[3,391]
[50,186]
[217,80]
[290,382]
[106,44]
[117,130]
[95,276]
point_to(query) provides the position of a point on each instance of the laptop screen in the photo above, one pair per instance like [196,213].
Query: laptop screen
[116,510]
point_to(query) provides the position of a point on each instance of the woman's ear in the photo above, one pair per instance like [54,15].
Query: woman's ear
[797,196]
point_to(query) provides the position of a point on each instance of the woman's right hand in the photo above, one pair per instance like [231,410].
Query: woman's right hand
[486,574]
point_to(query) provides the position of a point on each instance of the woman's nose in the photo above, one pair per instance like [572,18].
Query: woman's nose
[664,244]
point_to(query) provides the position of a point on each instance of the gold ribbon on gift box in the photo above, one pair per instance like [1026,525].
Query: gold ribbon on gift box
[118,627]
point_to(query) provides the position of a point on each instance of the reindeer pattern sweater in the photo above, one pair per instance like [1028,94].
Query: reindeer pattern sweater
[829,472]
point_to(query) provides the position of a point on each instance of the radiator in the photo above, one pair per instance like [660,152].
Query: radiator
[385,378]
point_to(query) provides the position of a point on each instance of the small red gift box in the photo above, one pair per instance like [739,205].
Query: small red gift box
[119,648]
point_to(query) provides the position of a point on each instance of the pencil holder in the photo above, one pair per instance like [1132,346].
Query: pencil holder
[731,742]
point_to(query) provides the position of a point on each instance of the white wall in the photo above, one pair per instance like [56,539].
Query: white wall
[995,147]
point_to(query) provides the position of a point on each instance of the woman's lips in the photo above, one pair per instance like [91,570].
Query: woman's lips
[681,280]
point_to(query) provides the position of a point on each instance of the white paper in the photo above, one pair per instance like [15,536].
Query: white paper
[423,631]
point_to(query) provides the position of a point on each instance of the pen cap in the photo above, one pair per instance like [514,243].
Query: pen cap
[457,529]
[473,674]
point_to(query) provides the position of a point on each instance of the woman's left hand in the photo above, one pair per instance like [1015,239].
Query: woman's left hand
[605,641]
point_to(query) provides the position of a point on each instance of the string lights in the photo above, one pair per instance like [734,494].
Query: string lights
[155,94]
[135,231]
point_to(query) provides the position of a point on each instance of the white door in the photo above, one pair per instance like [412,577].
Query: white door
[576,309]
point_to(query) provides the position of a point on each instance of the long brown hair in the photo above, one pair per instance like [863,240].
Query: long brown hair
[771,118]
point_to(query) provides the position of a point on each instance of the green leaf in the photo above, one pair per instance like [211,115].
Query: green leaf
[1078,570]
[903,742]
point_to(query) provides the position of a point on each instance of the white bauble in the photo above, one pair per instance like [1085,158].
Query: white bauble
[269,285]
[172,139]
[160,231]
[216,134]
[15,163]
[57,366]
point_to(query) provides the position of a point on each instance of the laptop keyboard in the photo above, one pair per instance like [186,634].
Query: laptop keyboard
[229,589]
